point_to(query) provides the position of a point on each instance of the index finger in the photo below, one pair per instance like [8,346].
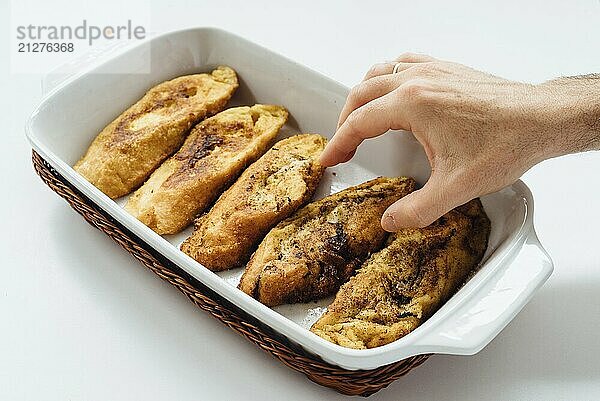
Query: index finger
[368,121]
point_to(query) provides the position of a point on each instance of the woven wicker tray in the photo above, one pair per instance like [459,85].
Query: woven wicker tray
[351,382]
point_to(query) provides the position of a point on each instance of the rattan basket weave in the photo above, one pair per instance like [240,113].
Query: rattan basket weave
[351,382]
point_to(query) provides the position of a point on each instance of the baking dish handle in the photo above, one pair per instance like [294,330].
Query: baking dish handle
[474,324]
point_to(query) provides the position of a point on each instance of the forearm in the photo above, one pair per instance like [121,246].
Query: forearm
[575,105]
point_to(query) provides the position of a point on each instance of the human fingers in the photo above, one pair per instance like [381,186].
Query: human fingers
[368,121]
[404,61]
[386,68]
[414,58]
[378,86]
[426,205]
[366,91]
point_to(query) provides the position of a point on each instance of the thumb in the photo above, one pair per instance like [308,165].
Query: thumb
[423,207]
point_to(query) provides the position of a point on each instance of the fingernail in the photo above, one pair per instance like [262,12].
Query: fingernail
[388,223]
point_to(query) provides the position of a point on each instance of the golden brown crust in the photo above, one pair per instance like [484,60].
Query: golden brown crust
[310,254]
[125,153]
[213,155]
[268,191]
[400,286]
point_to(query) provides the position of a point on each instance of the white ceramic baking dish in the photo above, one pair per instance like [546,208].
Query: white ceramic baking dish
[514,267]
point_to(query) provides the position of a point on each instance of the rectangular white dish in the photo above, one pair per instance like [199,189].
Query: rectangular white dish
[514,266]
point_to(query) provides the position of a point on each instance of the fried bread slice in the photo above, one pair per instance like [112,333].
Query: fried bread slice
[310,254]
[402,285]
[271,189]
[212,156]
[124,154]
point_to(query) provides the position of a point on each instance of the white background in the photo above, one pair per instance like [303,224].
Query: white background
[82,320]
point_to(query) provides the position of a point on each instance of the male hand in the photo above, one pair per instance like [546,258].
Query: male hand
[480,132]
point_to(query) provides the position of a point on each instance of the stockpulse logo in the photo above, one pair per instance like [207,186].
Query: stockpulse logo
[88,32]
